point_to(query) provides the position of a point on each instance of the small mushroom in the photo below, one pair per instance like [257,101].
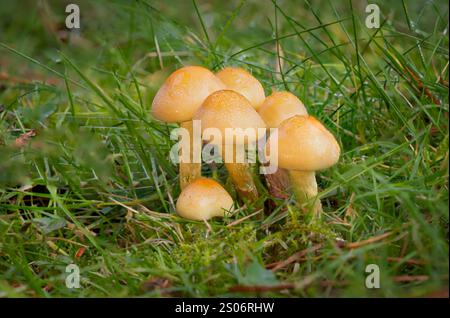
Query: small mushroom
[178,99]
[241,81]
[305,146]
[229,109]
[276,108]
[280,106]
[203,199]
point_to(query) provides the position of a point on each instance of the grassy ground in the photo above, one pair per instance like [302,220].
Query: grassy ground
[85,176]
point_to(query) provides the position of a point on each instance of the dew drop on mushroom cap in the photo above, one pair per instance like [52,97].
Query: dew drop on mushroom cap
[203,199]
[241,81]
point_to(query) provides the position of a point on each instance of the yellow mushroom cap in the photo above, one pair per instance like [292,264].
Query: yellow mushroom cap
[183,93]
[203,199]
[241,81]
[229,109]
[280,106]
[305,144]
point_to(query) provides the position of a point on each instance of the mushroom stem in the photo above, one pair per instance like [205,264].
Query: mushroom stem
[304,186]
[189,171]
[240,174]
[243,181]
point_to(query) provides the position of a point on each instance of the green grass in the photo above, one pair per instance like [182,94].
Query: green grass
[97,175]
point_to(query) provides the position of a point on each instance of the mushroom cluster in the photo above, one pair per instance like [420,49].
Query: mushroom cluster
[233,98]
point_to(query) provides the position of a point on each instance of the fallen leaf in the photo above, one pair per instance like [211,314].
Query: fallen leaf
[23,139]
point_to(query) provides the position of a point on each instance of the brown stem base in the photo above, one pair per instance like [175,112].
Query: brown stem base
[278,184]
